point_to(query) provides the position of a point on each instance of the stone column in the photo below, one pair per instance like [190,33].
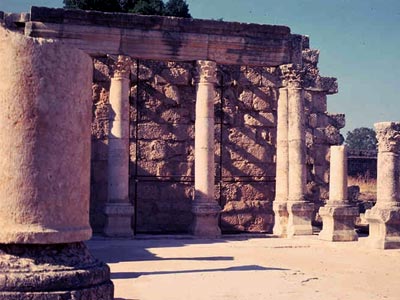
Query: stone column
[300,211]
[282,166]
[384,217]
[338,216]
[205,209]
[119,210]
[45,119]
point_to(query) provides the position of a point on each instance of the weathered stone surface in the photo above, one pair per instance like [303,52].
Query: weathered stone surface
[45,91]
[154,37]
[248,216]
[62,271]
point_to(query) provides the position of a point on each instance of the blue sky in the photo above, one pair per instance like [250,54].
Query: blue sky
[359,42]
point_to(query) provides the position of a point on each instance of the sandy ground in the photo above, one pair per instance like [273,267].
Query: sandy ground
[152,268]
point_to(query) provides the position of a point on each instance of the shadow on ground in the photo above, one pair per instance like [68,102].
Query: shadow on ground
[132,275]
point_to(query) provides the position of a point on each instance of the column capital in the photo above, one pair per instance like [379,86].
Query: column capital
[206,71]
[121,67]
[291,75]
[388,136]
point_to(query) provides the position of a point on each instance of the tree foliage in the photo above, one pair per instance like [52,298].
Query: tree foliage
[101,5]
[148,7]
[176,8]
[362,138]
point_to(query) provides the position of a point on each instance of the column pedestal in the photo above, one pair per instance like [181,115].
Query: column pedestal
[119,220]
[299,220]
[206,219]
[384,227]
[281,218]
[338,222]
[52,272]
[384,217]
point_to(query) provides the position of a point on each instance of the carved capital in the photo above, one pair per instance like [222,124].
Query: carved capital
[121,67]
[291,75]
[388,136]
[206,71]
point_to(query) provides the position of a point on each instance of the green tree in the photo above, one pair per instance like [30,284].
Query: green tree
[100,5]
[147,7]
[177,8]
[362,138]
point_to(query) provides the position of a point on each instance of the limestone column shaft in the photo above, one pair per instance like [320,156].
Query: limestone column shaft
[45,120]
[384,217]
[388,176]
[119,210]
[282,166]
[282,148]
[338,215]
[338,174]
[297,145]
[205,209]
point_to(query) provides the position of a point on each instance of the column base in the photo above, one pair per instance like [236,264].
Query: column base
[338,223]
[206,219]
[300,217]
[119,220]
[52,272]
[384,227]
[281,218]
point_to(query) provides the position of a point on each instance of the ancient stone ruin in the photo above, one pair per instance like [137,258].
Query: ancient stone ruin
[195,126]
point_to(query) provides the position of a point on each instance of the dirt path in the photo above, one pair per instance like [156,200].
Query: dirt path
[255,268]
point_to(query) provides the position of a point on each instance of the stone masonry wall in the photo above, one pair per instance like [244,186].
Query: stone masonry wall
[162,110]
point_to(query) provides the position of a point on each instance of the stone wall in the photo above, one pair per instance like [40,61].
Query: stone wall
[162,115]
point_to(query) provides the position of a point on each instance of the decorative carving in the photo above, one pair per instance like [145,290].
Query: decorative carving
[388,136]
[121,67]
[292,75]
[206,71]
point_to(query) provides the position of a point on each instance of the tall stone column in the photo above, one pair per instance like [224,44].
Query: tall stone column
[384,217]
[338,216]
[45,118]
[119,210]
[282,166]
[204,208]
[299,210]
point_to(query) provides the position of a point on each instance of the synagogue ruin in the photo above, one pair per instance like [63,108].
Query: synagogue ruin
[126,124]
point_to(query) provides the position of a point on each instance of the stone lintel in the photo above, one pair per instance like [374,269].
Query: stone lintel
[165,38]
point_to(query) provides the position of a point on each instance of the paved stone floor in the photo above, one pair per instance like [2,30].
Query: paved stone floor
[244,267]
